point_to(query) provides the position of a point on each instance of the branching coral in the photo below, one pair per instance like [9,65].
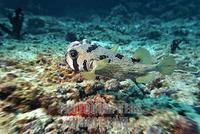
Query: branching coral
[175,45]
[16,19]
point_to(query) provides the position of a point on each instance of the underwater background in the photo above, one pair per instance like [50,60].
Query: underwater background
[40,93]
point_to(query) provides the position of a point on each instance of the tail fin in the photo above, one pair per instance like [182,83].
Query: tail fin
[167,66]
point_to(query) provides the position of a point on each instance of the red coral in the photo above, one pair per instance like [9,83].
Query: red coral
[80,110]
[96,106]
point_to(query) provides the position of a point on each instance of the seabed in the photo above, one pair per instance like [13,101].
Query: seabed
[39,93]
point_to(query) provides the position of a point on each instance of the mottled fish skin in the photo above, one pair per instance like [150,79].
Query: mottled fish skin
[119,66]
[87,53]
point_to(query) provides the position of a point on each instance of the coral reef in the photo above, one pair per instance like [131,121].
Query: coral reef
[71,106]
[70,37]
[16,19]
[39,93]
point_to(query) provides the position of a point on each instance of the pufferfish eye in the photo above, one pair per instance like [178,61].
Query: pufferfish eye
[73,53]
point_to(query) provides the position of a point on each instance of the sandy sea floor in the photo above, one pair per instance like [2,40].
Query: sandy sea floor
[39,93]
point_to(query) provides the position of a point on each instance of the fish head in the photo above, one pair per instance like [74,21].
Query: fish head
[78,58]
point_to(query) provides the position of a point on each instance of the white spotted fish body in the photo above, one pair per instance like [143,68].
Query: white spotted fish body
[81,55]
[93,60]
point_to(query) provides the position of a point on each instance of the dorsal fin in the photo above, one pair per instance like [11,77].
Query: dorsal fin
[143,55]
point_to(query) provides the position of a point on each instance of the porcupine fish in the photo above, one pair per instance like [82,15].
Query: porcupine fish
[94,60]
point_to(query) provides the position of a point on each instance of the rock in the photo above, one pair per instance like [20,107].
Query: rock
[33,122]
[7,62]
[112,84]
[36,26]
[181,32]
[50,128]
[185,126]
[9,77]
[73,93]
[7,89]
[155,35]
[35,23]
[90,87]
[127,84]
[5,123]
[157,83]
[9,107]
[119,128]
[198,85]
[70,92]
[70,36]
[153,130]
[119,15]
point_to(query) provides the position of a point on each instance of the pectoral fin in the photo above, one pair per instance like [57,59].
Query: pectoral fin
[146,78]
[89,75]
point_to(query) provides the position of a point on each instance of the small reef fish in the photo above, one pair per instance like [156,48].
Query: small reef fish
[94,60]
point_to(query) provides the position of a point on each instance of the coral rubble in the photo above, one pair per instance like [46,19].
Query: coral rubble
[39,93]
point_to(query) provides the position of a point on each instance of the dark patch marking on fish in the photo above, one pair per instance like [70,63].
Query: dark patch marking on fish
[135,60]
[65,60]
[101,57]
[119,56]
[75,65]
[85,65]
[91,65]
[91,48]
